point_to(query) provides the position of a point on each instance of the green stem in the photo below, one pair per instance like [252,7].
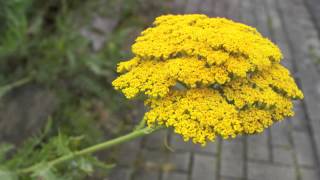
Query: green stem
[141,124]
[92,149]
[5,89]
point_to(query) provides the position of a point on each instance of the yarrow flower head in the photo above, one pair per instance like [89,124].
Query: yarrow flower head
[208,76]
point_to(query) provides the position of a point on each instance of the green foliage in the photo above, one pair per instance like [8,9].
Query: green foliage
[51,50]
[7,88]
[14,24]
[7,175]
[41,42]
[44,148]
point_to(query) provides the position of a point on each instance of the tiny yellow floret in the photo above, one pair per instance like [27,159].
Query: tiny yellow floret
[208,77]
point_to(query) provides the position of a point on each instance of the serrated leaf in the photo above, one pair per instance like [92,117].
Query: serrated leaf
[48,126]
[85,165]
[4,149]
[104,165]
[44,173]
[61,144]
[76,141]
[101,164]
[4,90]
[7,175]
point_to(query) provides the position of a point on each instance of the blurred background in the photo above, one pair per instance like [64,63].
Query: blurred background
[57,62]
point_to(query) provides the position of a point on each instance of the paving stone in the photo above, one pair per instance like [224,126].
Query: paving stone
[258,148]
[303,148]
[262,18]
[299,121]
[307,73]
[247,16]
[178,144]
[314,9]
[179,6]
[153,158]
[193,6]
[206,7]
[234,9]
[300,29]
[258,153]
[278,34]
[204,167]
[280,134]
[179,160]
[210,148]
[263,171]
[232,149]
[24,112]
[119,174]
[232,168]
[156,140]
[221,8]
[229,178]
[283,155]
[147,175]
[174,176]
[309,174]
[127,153]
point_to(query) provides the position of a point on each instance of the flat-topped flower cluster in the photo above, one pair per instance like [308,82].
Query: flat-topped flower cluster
[208,76]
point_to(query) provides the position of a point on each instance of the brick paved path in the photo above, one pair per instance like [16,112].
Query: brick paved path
[290,150]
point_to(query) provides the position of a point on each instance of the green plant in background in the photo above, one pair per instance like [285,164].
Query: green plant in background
[42,43]
[13,25]
[7,88]
[44,148]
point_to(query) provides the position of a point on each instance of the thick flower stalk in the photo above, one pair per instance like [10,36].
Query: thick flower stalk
[208,76]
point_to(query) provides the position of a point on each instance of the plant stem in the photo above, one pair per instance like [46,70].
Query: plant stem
[141,124]
[92,149]
[5,89]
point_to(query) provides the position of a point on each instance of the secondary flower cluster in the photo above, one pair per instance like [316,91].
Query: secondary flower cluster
[208,76]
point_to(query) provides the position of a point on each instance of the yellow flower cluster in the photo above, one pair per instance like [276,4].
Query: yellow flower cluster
[208,76]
